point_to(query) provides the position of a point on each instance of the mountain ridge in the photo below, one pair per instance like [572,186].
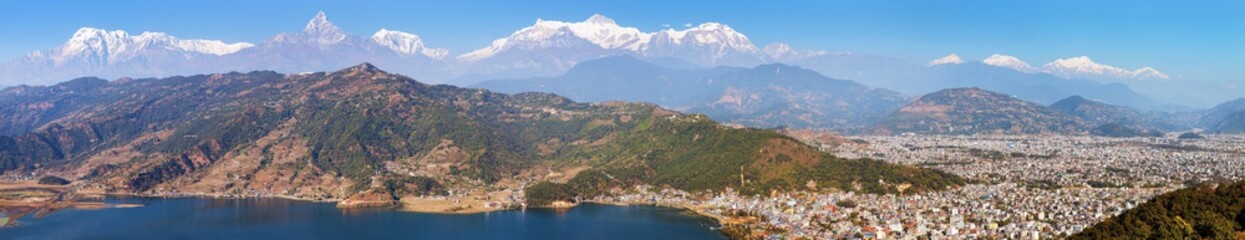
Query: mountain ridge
[769,95]
[332,135]
[960,111]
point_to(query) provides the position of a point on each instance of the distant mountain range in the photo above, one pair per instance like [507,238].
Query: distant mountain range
[1098,113]
[320,46]
[331,135]
[1211,117]
[1233,123]
[995,74]
[1076,67]
[599,60]
[769,95]
[549,48]
[973,111]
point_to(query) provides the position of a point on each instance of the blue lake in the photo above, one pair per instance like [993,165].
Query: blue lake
[272,219]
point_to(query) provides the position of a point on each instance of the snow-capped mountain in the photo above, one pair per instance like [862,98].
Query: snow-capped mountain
[1083,67]
[597,30]
[407,43]
[320,46]
[103,46]
[782,52]
[707,44]
[324,46]
[949,59]
[116,53]
[548,48]
[1077,67]
[1006,61]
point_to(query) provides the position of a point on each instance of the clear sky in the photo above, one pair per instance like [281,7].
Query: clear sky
[1202,40]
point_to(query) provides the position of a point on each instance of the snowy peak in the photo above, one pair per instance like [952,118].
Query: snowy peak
[783,52]
[597,29]
[214,47]
[1149,73]
[322,31]
[778,50]
[319,24]
[600,20]
[1005,61]
[1084,67]
[949,59]
[103,46]
[1081,65]
[407,44]
[708,41]
[711,33]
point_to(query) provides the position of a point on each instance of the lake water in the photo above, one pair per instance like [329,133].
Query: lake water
[272,219]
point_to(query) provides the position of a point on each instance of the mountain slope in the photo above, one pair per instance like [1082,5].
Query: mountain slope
[765,96]
[1199,212]
[973,111]
[1233,123]
[1098,113]
[1211,117]
[331,135]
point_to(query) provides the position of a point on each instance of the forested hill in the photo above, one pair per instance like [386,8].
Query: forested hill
[328,135]
[1201,212]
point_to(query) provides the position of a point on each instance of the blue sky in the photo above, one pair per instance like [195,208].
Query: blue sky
[1199,40]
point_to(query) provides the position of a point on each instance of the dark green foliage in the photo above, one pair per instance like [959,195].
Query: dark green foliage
[1190,135]
[400,185]
[1119,130]
[545,193]
[1101,184]
[155,174]
[53,180]
[693,153]
[987,154]
[1201,212]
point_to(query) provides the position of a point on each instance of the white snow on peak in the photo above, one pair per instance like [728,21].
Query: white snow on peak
[322,31]
[949,59]
[110,46]
[778,50]
[608,35]
[597,29]
[600,19]
[1149,73]
[1081,65]
[782,51]
[214,47]
[407,43]
[711,33]
[1011,62]
[1084,67]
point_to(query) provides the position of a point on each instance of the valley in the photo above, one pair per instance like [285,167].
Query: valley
[505,120]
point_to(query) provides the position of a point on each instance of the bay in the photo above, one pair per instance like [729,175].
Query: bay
[271,219]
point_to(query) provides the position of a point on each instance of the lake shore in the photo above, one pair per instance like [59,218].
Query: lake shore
[464,205]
